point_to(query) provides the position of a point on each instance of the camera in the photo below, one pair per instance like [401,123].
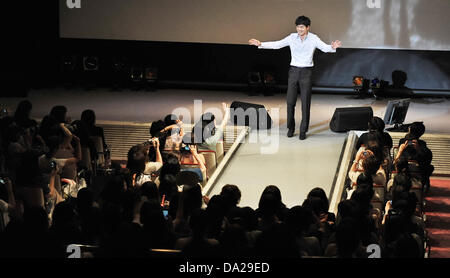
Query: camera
[166,214]
[185,148]
[52,165]
[2,181]
[410,143]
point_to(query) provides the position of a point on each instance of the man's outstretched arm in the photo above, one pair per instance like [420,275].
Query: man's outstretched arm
[327,47]
[270,45]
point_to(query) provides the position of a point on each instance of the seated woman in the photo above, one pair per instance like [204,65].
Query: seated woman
[66,155]
[174,131]
[365,161]
[143,161]
[50,124]
[187,159]
[205,131]
[86,129]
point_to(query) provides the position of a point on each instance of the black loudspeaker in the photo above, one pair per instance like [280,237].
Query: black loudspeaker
[352,118]
[250,114]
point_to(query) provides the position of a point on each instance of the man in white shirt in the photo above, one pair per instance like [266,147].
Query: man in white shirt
[302,45]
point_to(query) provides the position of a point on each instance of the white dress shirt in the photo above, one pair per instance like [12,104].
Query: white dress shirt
[302,51]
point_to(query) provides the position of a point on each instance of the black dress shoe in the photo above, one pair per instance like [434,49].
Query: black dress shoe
[302,136]
[290,133]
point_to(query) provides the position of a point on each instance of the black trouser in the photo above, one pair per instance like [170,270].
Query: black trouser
[299,78]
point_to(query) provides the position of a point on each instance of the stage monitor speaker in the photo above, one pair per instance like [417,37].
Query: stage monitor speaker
[352,118]
[250,114]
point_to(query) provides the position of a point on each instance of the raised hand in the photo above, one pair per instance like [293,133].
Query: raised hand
[254,42]
[224,106]
[336,44]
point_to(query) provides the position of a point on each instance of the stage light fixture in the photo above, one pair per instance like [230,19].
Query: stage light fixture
[136,77]
[375,83]
[68,63]
[118,64]
[254,78]
[269,83]
[136,74]
[151,74]
[151,78]
[90,63]
[360,86]
[358,82]
[255,82]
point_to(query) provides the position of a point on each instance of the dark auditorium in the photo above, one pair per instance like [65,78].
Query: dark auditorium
[215,137]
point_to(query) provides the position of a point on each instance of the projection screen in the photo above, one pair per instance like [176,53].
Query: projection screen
[381,24]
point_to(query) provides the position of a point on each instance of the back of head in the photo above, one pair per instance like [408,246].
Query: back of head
[399,78]
[299,219]
[406,202]
[136,159]
[171,166]
[231,194]
[416,129]
[396,222]
[348,208]
[23,110]
[59,113]
[371,165]
[88,117]
[192,198]
[156,128]
[364,178]
[376,124]
[167,186]
[403,180]
[170,119]
[362,196]
[151,216]
[150,190]
[320,193]
[85,199]
[315,204]
[402,165]
[275,191]
[268,205]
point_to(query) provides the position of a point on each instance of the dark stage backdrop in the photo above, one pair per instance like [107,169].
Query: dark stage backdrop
[223,63]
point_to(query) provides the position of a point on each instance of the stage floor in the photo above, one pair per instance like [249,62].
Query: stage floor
[142,106]
[295,167]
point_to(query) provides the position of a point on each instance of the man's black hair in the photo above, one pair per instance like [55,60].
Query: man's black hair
[303,20]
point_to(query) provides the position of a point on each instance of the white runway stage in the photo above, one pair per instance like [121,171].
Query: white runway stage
[296,167]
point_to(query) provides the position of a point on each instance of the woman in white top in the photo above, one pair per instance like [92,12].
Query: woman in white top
[143,161]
